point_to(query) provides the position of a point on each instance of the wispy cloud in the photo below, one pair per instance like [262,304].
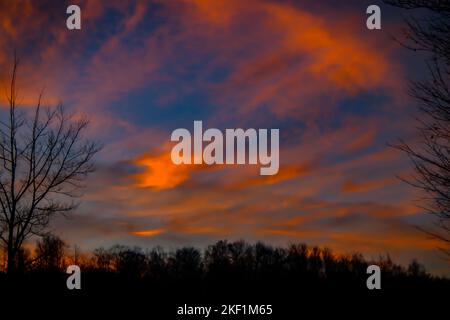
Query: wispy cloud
[139,70]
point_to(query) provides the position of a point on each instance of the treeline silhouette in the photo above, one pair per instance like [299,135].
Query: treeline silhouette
[221,265]
[155,282]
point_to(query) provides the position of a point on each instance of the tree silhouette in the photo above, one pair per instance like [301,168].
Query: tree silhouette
[103,259]
[416,269]
[156,261]
[130,263]
[44,161]
[185,264]
[431,159]
[247,269]
[50,253]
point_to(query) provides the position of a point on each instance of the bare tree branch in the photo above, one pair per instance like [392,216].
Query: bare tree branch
[431,157]
[43,162]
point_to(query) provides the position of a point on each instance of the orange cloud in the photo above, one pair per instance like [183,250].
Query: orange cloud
[289,233]
[160,172]
[336,55]
[211,230]
[285,173]
[361,141]
[387,241]
[147,233]
[352,186]
[298,56]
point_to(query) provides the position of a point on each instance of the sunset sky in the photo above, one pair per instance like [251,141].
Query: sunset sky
[141,69]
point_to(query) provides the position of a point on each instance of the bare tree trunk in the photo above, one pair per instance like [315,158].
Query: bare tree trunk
[42,160]
[11,256]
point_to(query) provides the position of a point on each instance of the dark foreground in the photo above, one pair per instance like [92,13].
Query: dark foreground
[284,298]
[231,280]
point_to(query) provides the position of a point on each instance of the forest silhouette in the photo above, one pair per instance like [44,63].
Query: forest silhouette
[156,282]
[223,264]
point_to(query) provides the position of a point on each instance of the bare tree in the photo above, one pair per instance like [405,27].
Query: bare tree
[43,162]
[50,252]
[430,34]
